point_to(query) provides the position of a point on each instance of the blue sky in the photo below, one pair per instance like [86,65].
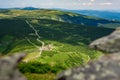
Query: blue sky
[66,4]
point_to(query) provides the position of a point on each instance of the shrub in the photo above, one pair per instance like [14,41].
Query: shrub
[36,67]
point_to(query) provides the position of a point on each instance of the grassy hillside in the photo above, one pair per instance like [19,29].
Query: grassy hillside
[58,16]
[73,34]
[66,44]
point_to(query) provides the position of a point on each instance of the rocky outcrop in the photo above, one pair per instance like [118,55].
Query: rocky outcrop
[110,43]
[8,67]
[105,68]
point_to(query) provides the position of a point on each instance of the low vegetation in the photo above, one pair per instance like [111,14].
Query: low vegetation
[69,42]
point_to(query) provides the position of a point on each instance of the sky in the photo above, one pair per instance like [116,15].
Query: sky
[64,4]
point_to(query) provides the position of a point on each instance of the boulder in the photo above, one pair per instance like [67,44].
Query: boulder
[8,67]
[110,43]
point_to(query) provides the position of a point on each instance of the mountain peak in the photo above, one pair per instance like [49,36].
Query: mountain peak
[30,8]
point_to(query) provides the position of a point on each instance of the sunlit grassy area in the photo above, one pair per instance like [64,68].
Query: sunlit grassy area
[34,76]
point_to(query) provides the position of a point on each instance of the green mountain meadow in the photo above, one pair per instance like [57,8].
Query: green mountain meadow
[64,35]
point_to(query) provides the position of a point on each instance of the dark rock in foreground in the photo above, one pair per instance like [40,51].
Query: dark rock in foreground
[105,68]
[8,67]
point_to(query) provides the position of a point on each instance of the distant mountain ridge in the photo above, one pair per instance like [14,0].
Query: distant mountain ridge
[58,15]
[110,14]
[105,14]
[30,8]
[25,8]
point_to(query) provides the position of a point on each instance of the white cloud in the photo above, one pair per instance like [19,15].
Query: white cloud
[87,4]
[107,3]
[92,0]
[90,3]
[23,4]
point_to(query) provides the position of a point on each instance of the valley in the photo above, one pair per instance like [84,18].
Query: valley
[66,37]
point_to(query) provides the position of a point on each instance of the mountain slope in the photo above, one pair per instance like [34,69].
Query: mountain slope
[58,16]
[13,34]
[14,31]
[65,42]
